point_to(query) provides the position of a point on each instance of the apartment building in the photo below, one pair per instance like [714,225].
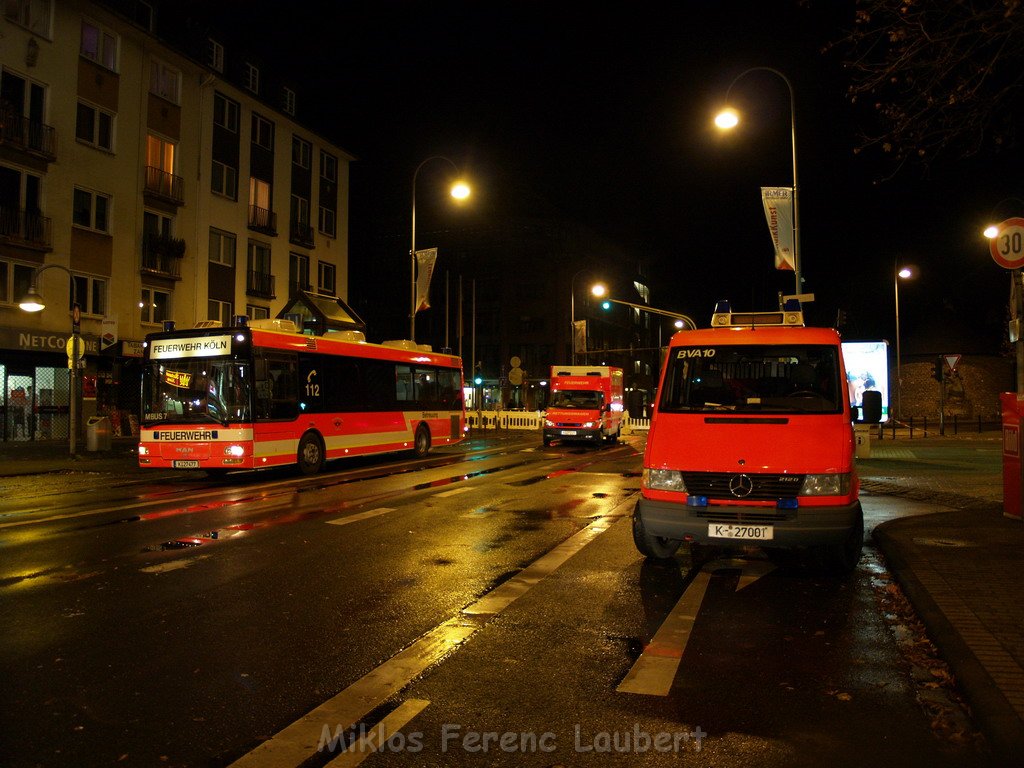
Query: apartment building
[147,174]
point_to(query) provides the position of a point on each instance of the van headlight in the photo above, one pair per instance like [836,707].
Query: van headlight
[826,485]
[548,423]
[663,480]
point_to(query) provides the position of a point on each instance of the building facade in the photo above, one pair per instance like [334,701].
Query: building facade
[146,175]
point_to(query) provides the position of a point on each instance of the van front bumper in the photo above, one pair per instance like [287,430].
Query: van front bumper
[572,433]
[802,527]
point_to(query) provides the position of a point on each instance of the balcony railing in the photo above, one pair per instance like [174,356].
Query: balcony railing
[20,227]
[294,286]
[162,255]
[259,284]
[30,136]
[164,185]
[301,233]
[262,220]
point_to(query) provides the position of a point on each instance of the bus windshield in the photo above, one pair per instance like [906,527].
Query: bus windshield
[791,378]
[196,391]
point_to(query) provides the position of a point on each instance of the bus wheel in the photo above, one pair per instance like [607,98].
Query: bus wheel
[655,547]
[421,443]
[311,454]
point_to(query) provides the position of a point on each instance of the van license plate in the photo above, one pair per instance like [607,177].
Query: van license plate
[568,431]
[734,531]
[186,464]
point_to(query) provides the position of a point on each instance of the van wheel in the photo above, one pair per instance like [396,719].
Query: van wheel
[311,454]
[840,559]
[547,442]
[421,443]
[656,547]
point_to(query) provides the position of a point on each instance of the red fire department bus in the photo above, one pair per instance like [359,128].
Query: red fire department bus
[250,397]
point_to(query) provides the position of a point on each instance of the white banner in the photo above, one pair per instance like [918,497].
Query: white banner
[778,209]
[579,336]
[108,334]
[424,271]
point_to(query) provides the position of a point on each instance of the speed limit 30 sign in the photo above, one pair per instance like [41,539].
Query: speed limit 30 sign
[1007,247]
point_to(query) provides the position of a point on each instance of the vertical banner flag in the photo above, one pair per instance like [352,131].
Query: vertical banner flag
[424,271]
[778,209]
[579,336]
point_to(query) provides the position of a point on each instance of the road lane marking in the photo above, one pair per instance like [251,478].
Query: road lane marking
[499,598]
[297,742]
[360,516]
[452,492]
[371,742]
[655,670]
[173,565]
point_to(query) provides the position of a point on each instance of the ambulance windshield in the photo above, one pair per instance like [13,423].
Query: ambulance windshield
[577,398]
[778,379]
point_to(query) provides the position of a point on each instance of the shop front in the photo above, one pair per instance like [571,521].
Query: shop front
[35,385]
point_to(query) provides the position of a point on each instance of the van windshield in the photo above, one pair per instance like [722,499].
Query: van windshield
[577,398]
[780,379]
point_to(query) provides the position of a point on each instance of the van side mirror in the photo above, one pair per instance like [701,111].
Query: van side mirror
[872,407]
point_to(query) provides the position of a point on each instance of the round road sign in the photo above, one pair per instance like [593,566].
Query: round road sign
[1007,247]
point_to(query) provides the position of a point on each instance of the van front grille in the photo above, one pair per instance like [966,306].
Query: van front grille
[742,486]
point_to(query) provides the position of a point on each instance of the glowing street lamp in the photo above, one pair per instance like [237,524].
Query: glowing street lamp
[902,273]
[459,190]
[729,118]
[33,302]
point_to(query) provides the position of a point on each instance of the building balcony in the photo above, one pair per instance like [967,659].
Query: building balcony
[301,233]
[164,186]
[29,136]
[162,255]
[262,220]
[24,228]
[259,284]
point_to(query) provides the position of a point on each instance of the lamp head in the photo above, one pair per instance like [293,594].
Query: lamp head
[599,289]
[33,301]
[991,231]
[728,118]
[460,190]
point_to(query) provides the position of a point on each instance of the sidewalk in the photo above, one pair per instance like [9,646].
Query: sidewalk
[962,566]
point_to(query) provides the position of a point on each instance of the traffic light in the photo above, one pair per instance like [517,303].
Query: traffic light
[478,380]
[606,305]
[937,373]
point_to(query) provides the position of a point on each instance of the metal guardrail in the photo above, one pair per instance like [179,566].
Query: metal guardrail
[534,420]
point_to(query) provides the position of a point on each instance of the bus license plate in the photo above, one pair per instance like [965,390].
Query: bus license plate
[568,431]
[734,531]
[185,464]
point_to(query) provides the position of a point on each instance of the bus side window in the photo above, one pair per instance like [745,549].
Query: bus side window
[284,395]
[263,391]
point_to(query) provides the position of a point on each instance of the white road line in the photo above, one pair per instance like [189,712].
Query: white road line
[452,492]
[655,671]
[385,729]
[297,742]
[480,512]
[360,516]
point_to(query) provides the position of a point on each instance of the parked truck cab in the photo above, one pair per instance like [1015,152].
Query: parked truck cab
[586,404]
[751,443]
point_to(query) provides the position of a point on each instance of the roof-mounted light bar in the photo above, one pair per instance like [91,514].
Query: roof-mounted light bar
[790,315]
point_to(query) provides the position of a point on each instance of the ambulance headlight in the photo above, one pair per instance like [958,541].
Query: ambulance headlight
[826,485]
[548,423]
[588,425]
[663,480]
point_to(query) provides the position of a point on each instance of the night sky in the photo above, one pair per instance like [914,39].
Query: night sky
[603,117]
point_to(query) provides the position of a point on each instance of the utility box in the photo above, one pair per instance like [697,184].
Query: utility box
[98,434]
[862,438]
[1011,406]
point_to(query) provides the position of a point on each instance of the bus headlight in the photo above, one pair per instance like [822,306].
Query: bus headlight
[826,485]
[143,450]
[234,450]
[663,480]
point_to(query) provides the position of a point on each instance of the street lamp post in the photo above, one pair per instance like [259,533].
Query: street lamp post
[460,191]
[598,290]
[903,273]
[33,302]
[729,118]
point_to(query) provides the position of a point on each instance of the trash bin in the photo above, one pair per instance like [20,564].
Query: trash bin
[97,434]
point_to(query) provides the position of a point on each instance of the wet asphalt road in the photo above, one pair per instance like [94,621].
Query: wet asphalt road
[485,606]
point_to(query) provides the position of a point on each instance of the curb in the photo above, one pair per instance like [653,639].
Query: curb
[993,712]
